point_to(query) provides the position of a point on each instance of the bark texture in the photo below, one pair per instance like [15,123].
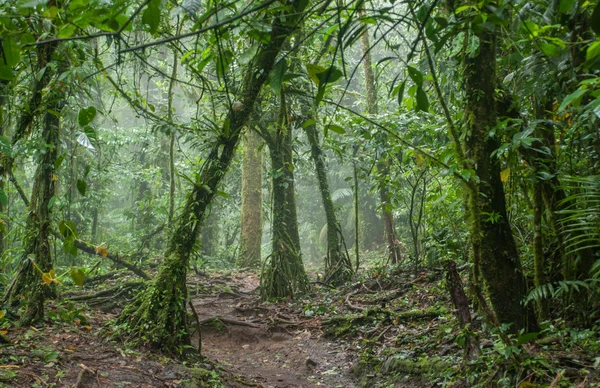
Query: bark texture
[494,248]
[251,232]
[28,281]
[338,267]
[283,275]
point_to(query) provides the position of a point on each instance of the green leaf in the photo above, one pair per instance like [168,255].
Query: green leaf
[336,128]
[312,71]
[572,98]
[86,115]
[593,51]
[6,73]
[67,229]
[67,31]
[5,146]
[527,338]
[151,16]
[276,78]
[223,194]
[565,6]
[549,49]
[422,100]
[78,276]
[69,245]
[3,198]
[401,92]
[81,186]
[247,55]
[52,356]
[330,75]
[415,75]
[12,52]
[308,123]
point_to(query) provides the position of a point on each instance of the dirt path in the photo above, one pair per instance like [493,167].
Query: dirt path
[268,345]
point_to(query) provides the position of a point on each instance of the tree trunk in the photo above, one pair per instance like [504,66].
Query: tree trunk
[251,232]
[338,267]
[283,275]
[461,308]
[28,282]
[392,246]
[490,229]
[3,163]
[158,316]
[538,247]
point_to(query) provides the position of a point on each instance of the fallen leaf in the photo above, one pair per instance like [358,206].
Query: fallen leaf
[102,251]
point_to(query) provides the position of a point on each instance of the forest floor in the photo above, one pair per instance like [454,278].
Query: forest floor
[389,329]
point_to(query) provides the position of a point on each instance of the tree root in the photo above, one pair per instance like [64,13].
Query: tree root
[344,324]
[228,321]
[111,297]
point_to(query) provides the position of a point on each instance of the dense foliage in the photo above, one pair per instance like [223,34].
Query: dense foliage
[351,137]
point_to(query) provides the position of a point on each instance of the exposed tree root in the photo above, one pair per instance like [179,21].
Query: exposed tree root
[341,325]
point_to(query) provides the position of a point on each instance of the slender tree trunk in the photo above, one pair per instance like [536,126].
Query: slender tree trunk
[158,316]
[284,274]
[356,216]
[3,163]
[538,246]
[172,134]
[338,267]
[251,230]
[391,240]
[490,229]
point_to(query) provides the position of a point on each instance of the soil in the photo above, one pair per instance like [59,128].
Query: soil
[283,349]
[252,344]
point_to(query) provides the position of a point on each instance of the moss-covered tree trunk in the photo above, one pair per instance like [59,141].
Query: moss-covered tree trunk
[490,229]
[158,316]
[3,161]
[392,246]
[338,267]
[283,274]
[28,287]
[251,229]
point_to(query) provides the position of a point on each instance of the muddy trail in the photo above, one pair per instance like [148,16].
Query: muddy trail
[268,345]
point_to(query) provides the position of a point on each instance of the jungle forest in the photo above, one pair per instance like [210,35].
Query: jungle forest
[300,193]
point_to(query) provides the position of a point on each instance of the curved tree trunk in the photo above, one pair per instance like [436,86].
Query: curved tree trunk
[158,316]
[251,232]
[28,281]
[490,229]
[338,267]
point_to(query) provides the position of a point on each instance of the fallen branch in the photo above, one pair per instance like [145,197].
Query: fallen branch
[87,248]
[112,292]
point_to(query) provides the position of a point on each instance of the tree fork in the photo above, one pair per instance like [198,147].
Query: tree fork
[158,316]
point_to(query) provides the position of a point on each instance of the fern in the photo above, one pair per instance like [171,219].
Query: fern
[191,7]
[561,288]
[341,194]
[580,224]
